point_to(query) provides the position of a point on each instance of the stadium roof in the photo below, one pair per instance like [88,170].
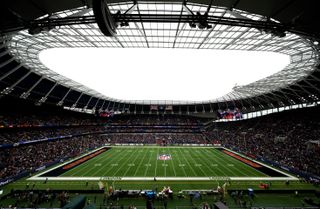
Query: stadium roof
[29,78]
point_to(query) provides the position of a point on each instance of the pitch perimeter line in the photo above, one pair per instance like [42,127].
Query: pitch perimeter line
[162,178]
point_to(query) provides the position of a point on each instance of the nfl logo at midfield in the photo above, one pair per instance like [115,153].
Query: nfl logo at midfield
[164,157]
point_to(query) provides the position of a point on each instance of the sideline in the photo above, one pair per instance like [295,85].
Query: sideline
[216,178]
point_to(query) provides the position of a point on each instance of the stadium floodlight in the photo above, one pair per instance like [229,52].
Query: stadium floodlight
[37,29]
[103,17]
[202,21]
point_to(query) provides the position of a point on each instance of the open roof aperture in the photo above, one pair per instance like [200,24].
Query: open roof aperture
[162,74]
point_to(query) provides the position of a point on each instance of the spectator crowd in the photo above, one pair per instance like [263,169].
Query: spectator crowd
[287,138]
[23,135]
[25,158]
[155,138]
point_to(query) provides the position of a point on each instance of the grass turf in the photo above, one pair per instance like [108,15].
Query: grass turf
[144,162]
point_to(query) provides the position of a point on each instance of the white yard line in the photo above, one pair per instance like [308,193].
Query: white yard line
[208,164]
[110,163]
[133,161]
[146,171]
[194,172]
[126,161]
[140,163]
[155,170]
[165,167]
[174,170]
[181,164]
[195,163]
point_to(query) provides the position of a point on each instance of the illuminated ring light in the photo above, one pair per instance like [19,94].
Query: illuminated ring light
[26,48]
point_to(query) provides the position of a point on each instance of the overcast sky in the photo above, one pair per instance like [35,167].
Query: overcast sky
[162,74]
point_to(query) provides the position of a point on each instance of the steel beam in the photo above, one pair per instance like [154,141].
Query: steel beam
[60,103]
[43,99]
[8,90]
[25,95]
[47,23]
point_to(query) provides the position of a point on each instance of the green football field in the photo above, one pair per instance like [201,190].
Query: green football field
[134,168]
[145,162]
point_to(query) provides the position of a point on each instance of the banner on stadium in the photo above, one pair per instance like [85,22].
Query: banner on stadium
[153,107]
